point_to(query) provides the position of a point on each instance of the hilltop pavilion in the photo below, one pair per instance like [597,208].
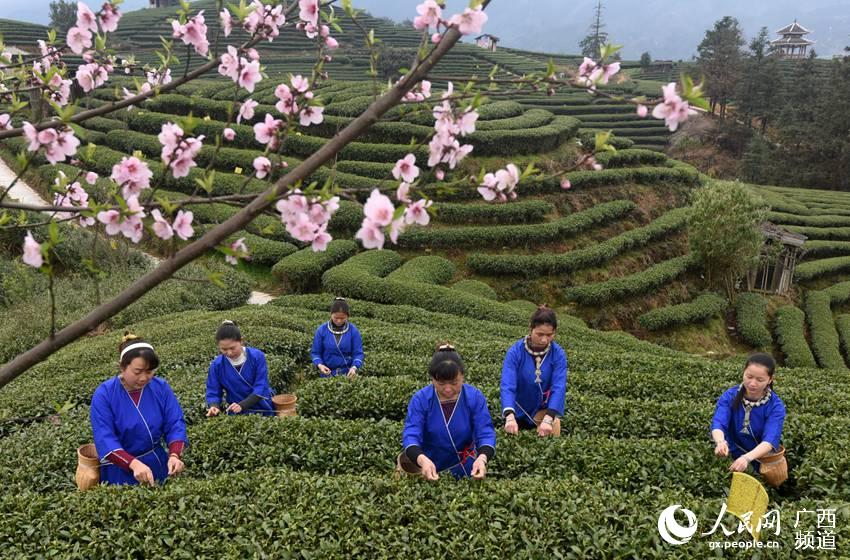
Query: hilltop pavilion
[792,44]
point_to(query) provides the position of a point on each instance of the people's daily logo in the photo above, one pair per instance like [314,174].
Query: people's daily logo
[670,529]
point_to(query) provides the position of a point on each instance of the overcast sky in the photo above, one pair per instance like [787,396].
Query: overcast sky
[666,29]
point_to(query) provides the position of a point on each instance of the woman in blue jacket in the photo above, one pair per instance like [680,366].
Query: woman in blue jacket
[241,372]
[448,425]
[748,418]
[132,415]
[337,345]
[534,378]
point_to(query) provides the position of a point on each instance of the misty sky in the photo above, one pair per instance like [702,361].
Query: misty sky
[665,29]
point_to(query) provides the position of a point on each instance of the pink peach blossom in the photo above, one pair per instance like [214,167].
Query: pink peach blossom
[470,21]
[430,14]
[249,75]
[417,213]
[183,224]
[309,11]
[32,252]
[86,18]
[246,110]
[263,166]
[311,115]
[370,235]
[161,227]
[405,169]
[239,248]
[379,209]
[109,17]
[321,239]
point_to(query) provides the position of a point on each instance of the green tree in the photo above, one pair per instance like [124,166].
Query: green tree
[759,91]
[596,37]
[63,14]
[719,61]
[645,61]
[392,59]
[723,232]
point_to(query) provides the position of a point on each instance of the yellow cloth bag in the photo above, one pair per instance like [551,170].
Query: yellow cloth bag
[747,495]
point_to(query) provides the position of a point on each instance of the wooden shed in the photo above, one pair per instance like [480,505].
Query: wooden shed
[775,271]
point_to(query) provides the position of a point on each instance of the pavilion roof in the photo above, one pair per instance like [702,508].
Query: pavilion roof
[791,41]
[793,29]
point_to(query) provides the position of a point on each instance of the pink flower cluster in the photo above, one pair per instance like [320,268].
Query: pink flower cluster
[420,92]
[501,185]
[49,56]
[5,121]
[178,152]
[58,145]
[58,89]
[132,175]
[469,22]
[444,146]
[154,78]
[590,73]
[79,36]
[75,195]
[92,75]
[244,72]
[158,77]
[307,219]
[379,210]
[309,24]
[130,226]
[264,21]
[300,92]
[673,109]
[182,225]
[193,32]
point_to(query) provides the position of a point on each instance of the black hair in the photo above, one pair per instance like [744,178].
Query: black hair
[759,359]
[147,354]
[446,364]
[340,306]
[228,330]
[543,316]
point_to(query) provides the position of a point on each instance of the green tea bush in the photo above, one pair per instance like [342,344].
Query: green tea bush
[822,329]
[751,318]
[302,270]
[478,288]
[813,269]
[595,255]
[791,336]
[516,234]
[702,308]
[639,282]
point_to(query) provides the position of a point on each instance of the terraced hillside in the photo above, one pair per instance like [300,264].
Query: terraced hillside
[649,449]
[613,250]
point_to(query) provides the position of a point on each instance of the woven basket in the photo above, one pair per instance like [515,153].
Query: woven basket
[88,467]
[773,468]
[284,404]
